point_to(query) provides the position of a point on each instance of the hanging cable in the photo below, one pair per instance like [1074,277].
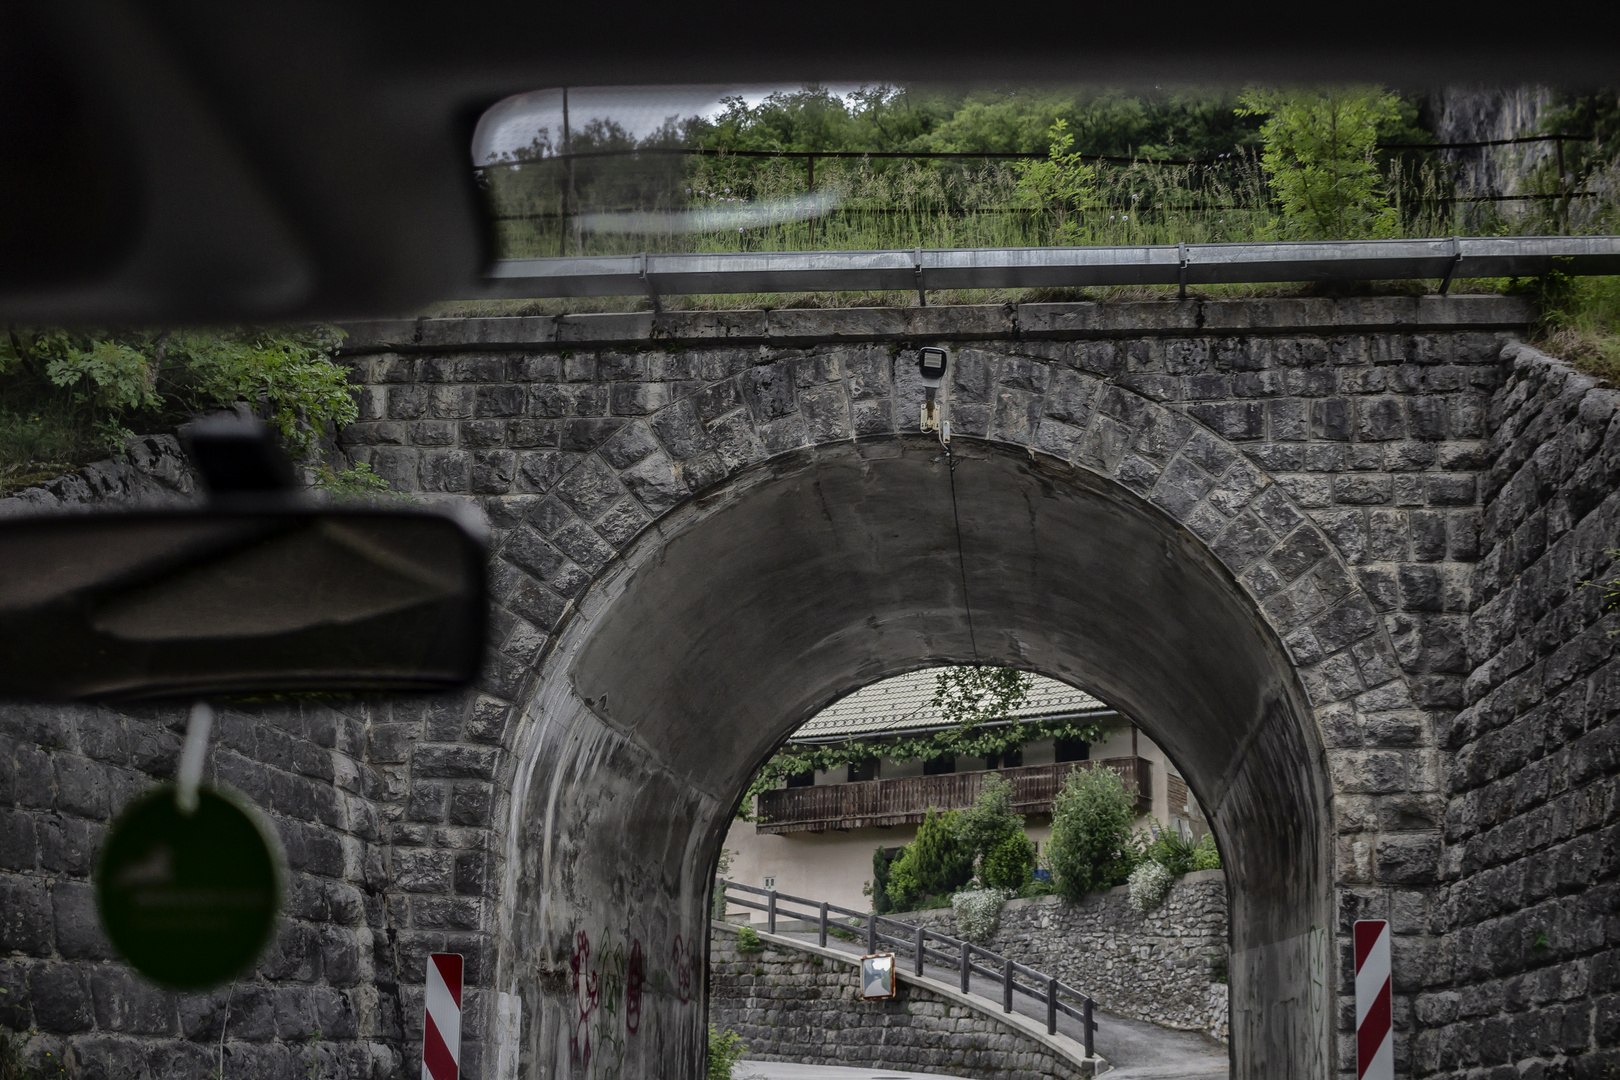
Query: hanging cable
[961,559]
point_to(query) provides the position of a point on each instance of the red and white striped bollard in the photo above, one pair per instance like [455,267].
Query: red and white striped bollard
[441,1021]
[1375,1043]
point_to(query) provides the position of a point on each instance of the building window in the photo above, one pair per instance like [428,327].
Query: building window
[770,883]
[945,763]
[1012,759]
[865,770]
[804,779]
[1072,750]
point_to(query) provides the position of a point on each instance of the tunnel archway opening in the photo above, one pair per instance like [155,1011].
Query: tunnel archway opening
[747,611]
[859,777]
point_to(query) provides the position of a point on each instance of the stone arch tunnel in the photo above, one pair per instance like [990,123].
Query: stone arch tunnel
[1317,548]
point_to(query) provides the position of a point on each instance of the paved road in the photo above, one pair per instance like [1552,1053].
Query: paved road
[748,1069]
[1136,1050]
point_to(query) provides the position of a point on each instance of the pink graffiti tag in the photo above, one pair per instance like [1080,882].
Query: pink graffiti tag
[683,958]
[586,1000]
[633,979]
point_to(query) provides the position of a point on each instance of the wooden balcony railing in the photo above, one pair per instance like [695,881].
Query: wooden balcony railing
[906,800]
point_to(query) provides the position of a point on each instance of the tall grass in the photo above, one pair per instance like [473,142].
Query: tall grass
[886,204]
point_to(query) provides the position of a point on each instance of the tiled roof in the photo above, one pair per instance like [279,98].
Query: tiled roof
[906,702]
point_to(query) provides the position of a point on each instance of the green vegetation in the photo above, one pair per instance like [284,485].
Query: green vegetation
[1010,864]
[726,1048]
[1091,846]
[748,940]
[70,398]
[935,864]
[971,694]
[995,833]
[1319,159]
[1205,856]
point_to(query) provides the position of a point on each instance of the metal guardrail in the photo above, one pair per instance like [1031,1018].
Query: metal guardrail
[962,955]
[1008,268]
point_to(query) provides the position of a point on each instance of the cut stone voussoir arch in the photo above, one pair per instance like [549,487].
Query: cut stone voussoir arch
[1072,417]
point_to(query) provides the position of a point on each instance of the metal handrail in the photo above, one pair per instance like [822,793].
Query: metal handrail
[1004,268]
[1048,989]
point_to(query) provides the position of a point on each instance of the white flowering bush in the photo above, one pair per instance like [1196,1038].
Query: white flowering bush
[1150,884]
[978,911]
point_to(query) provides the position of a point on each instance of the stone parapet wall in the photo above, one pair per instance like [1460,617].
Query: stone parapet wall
[1522,976]
[1161,967]
[800,1003]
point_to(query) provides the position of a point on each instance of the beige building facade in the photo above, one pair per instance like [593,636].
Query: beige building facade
[816,836]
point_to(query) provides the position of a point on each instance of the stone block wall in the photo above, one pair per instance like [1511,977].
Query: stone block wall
[793,1004]
[1167,967]
[1525,980]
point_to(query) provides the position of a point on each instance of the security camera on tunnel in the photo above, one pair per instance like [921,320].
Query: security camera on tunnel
[931,362]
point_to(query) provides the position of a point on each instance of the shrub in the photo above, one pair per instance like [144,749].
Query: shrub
[991,818]
[1205,855]
[1169,850]
[1091,832]
[1319,159]
[978,911]
[1037,887]
[878,887]
[748,940]
[726,1048]
[935,863]
[1009,864]
[1150,884]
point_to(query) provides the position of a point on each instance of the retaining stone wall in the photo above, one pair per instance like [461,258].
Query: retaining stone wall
[1160,967]
[326,995]
[1525,980]
[796,1005]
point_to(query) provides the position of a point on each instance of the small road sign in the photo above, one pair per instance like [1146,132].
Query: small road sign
[1375,1047]
[188,895]
[441,1022]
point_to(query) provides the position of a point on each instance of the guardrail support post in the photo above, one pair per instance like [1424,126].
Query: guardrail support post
[1006,987]
[1086,1022]
[919,959]
[871,933]
[824,924]
[770,912]
[967,965]
[1051,1005]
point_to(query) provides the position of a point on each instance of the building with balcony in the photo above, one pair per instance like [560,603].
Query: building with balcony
[815,834]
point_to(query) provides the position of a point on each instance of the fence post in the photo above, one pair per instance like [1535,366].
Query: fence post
[1051,1004]
[1006,987]
[919,960]
[770,911]
[824,924]
[967,965]
[1085,1022]
[871,933]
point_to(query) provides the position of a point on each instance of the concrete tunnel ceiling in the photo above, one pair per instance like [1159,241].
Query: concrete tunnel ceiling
[808,578]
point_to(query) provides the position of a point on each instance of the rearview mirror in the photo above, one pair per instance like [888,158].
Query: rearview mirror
[222,601]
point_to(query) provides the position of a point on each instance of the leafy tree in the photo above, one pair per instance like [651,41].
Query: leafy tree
[1091,846]
[1320,159]
[969,695]
[1061,186]
[935,863]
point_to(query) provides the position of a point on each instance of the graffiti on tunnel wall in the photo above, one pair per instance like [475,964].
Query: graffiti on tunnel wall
[610,980]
